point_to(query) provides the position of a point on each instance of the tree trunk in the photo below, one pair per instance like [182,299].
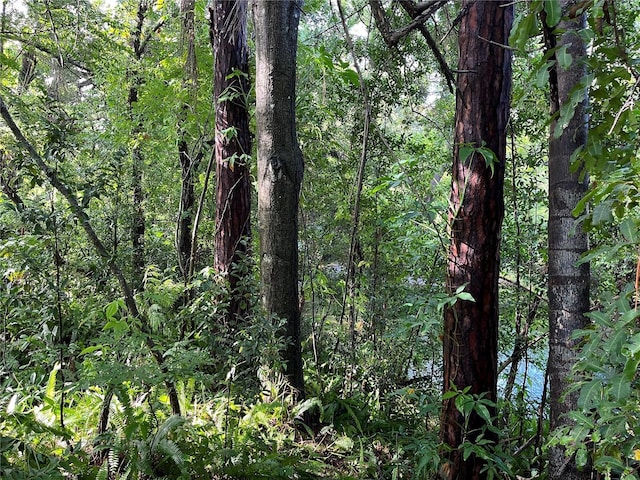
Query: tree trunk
[280,170]
[137,218]
[477,209]
[232,145]
[189,160]
[184,232]
[138,221]
[568,281]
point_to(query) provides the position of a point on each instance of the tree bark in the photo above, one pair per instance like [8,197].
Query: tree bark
[280,170]
[232,145]
[568,281]
[138,221]
[189,160]
[477,209]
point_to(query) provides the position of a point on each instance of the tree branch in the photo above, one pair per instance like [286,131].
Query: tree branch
[418,20]
[412,9]
[420,13]
[77,210]
[84,220]
[49,51]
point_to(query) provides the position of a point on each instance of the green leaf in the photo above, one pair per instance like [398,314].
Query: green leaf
[460,403]
[620,387]
[90,349]
[553,11]
[542,77]
[119,327]
[113,308]
[483,412]
[601,253]
[608,462]
[351,76]
[462,295]
[602,213]
[490,158]
[600,318]
[51,384]
[353,416]
[582,419]
[564,57]
[632,348]
[582,204]
[465,296]
[449,394]
[568,109]
[581,456]
[468,449]
[465,152]
[590,394]
[13,401]
[524,28]
[629,230]
[630,368]
[309,403]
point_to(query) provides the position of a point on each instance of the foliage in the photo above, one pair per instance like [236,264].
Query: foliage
[82,394]
[607,422]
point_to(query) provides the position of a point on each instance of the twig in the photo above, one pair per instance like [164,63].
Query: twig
[497,44]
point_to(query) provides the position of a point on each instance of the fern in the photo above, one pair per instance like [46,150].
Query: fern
[167,426]
[103,473]
[169,449]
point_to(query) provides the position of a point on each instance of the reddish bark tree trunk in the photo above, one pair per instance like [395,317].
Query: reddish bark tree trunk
[232,143]
[477,210]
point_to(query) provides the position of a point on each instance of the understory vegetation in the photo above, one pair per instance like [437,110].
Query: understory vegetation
[87,389]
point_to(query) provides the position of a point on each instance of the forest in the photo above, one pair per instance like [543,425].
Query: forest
[331,239]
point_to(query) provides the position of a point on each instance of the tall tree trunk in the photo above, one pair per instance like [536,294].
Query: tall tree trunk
[184,230]
[138,222]
[187,154]
[137,218]
[477,210]
[232,144]
[568,281]
[280,169]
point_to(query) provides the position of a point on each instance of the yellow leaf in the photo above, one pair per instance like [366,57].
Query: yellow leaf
[636,454]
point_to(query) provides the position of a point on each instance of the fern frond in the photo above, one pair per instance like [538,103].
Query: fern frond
[125,399]
[112,461]
[169,424]
[169,449]
[103,473]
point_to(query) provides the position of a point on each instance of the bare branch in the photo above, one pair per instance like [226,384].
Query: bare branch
[420,13]
[412,9]
[422,17]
